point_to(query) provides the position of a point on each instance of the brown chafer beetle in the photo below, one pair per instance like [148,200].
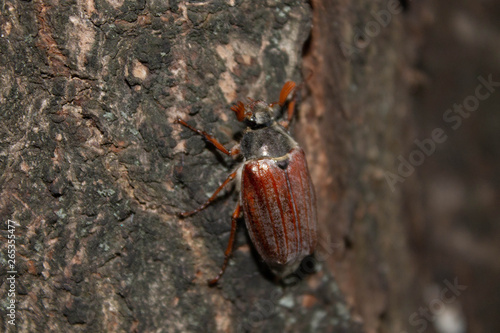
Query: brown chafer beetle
[276,193]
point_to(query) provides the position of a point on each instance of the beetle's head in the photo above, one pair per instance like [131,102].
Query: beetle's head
[259,113]
[255,113]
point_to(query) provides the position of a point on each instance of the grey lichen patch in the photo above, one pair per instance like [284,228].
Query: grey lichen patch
[61,214]
[287,301]
[106,192]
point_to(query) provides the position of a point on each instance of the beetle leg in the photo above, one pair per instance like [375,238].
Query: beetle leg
[288,88]
[212,198]
[211,139]
[229,249]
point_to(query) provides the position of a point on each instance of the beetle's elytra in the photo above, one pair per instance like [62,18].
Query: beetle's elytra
[276,193]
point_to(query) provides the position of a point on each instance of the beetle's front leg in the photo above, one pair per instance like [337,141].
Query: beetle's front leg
[230,152]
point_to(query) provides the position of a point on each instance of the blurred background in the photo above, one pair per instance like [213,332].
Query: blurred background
[457,235]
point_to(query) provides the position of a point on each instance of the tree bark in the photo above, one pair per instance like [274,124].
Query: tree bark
[363,55]
[94,170]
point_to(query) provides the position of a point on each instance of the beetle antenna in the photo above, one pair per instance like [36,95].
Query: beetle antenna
[239,109]
[288,87]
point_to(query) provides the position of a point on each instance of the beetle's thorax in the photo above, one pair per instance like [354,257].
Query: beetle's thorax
[270,141]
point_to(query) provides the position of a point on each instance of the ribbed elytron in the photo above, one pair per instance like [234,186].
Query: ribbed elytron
[276,193]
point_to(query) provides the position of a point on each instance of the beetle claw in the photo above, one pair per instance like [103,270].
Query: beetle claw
[184,214]
[214,281]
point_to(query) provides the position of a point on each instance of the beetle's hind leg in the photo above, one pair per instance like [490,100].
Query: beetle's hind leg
[229,249]
[212,198]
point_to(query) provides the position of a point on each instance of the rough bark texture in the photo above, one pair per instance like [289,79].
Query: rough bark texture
[361,97]
[94,170]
